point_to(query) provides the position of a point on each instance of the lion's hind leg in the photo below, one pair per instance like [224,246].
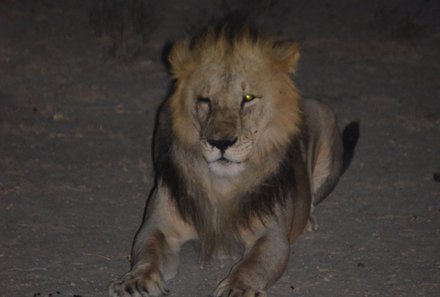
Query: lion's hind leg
[324,154]
[325,175]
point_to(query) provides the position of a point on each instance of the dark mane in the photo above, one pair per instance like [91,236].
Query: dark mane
[274,191]
[230,28]
[260,203]
[216,225]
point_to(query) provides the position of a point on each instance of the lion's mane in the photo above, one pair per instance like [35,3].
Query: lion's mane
[178,164]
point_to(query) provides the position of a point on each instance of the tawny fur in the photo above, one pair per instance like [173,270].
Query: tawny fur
[239,158]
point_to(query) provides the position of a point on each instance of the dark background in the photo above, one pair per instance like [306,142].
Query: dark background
[80,83]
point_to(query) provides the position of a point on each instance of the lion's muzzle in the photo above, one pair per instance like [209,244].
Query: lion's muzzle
[222,144]
[225,157]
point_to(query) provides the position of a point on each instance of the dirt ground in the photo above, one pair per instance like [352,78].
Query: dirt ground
[75,136]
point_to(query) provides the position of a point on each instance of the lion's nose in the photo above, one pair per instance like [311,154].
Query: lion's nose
[222,144]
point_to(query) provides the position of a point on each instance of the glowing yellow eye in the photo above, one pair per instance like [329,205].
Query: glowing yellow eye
[248,97]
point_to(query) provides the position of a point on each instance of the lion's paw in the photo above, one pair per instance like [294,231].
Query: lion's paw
[227,290]
[138,284]
[312,224]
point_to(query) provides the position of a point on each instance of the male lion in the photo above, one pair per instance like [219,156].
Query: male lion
[238,158]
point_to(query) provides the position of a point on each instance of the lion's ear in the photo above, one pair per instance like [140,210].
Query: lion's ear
[287,54]
[180,59]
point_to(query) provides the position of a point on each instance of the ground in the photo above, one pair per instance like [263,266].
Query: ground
[75,137]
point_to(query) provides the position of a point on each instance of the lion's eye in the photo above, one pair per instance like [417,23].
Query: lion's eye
[203,107]
[201,99]
[248,98]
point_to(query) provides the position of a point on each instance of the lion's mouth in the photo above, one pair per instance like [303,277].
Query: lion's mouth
[226,168]
[224,161]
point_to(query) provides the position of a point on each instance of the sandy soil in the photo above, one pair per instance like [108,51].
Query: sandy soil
[75,135]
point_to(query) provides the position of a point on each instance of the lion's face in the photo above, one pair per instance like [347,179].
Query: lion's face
[233,103]
[230,110]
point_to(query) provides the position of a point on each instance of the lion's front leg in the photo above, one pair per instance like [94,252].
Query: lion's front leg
[155,251]
[149,271]
[262,265]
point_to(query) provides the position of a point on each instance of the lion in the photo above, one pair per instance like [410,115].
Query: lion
[239,159]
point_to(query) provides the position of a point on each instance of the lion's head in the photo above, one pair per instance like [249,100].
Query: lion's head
[234,102]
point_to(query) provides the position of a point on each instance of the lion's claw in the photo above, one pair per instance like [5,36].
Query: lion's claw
[138,284]
[226,290]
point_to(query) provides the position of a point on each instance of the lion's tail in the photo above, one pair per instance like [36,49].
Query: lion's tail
[350,137]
